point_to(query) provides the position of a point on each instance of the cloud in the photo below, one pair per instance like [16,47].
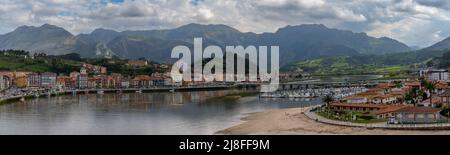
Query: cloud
[415,22]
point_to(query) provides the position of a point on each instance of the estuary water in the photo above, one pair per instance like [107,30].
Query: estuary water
[162,113]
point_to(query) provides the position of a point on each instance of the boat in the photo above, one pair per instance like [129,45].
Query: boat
[100,92]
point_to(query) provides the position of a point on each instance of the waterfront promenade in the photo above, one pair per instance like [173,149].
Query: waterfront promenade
[18,94]
[309,113]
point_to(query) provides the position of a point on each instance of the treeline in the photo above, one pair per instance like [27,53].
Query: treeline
[444,61]
[21,60]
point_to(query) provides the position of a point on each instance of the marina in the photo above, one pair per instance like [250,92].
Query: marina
[337,93]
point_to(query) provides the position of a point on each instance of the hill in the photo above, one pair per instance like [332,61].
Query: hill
[296,42]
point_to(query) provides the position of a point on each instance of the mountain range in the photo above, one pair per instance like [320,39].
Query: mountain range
[296,42]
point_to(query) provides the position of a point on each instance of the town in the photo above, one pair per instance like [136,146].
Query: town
[90,78]
[424,100]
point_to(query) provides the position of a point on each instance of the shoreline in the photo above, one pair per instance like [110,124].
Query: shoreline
[14,99]
[293,122]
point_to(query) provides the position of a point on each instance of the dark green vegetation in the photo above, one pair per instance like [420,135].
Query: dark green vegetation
[117,65]
[446,112]
[348,117]
[392,65]
[441,62]
[18,60]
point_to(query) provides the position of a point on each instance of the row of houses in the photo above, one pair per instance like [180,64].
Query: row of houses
[392,113]
[95,69]
[387,101]
[114,81]
[8,79]
[81,80]
[385,93]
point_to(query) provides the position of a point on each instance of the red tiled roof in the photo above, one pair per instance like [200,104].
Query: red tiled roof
[412,83]
[446,93]
[441,85]
[389,109]
[435,100]
[358,105]
[419,109]
[385,85]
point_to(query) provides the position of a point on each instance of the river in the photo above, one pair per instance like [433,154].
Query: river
[163,113]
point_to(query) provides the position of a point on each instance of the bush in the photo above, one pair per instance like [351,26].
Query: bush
[366,117]
[445,112]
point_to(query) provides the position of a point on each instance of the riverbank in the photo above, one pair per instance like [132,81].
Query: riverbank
[13,99]
[294,122]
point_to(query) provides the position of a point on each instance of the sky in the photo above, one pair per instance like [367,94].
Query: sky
[414,22]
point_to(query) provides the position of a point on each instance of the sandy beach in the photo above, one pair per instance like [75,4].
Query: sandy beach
[294,122]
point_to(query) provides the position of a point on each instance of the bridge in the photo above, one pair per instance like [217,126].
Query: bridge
[315,85]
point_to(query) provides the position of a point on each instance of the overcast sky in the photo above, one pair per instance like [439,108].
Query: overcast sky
[414,22]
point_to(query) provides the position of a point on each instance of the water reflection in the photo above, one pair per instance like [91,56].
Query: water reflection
[150,113]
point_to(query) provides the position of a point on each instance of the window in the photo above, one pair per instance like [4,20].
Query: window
[410,116]
[421,116]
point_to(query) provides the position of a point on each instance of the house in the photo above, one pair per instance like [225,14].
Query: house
[95,69]
[82,81]
[137,63]
[356,99]
[158,80]
[95,82]
[413,84]
[383,99]
[5,81]
[445,98]
[63,82]
[434,74]
[48,80]
[352,107]
[388,112]
[435,102]
[141,81]
[2,82]
[441,86]
[19,79]
[168,81]
[74,74]
[114,80]
[384,87]
[416,115]
[125,82]
[34,80]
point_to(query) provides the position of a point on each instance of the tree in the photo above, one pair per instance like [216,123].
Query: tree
[398,84]
[328,99]
[430,86]
[411,96]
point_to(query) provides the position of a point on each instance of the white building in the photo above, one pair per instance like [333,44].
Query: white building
[434,74]
[2,83]
[356,100]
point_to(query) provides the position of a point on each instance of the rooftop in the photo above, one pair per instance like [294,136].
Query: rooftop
[419,110]
[358,105]
[389,109]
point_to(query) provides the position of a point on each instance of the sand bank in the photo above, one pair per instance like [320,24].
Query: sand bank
[294,122]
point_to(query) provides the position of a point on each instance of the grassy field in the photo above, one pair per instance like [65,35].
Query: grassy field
[18,63]
[345,66]
[346,118]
